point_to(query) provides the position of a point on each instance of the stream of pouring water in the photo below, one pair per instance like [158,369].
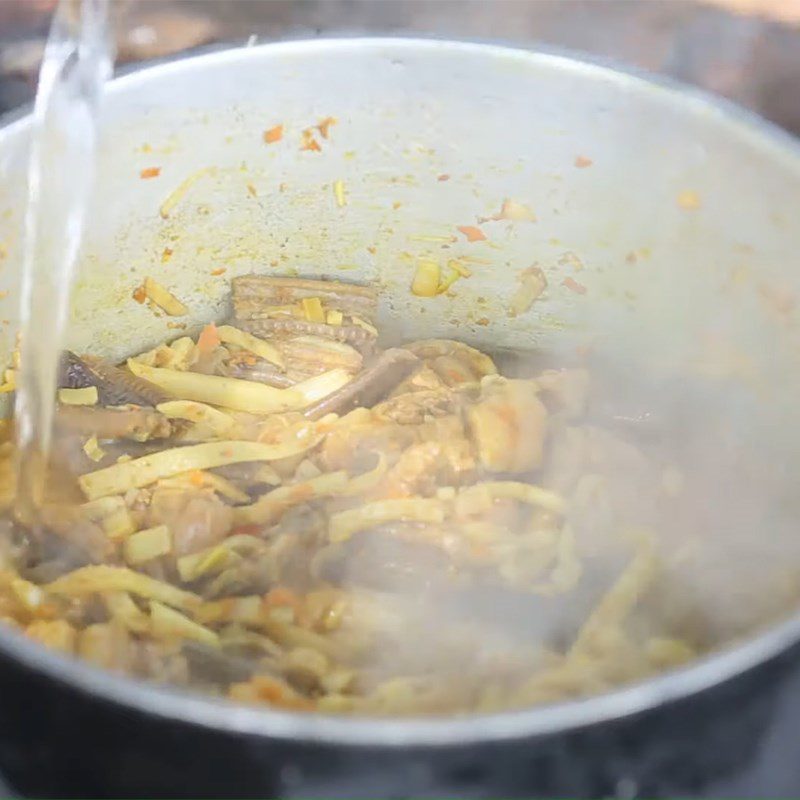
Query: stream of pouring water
[77,61]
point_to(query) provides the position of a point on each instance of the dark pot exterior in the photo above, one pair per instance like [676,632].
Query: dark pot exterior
[56,741]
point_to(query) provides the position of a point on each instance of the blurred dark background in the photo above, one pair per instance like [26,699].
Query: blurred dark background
[748,50]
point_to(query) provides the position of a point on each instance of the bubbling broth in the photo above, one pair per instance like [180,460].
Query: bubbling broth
[286,511]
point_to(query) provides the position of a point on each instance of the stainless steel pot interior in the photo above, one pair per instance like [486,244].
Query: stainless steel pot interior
[679,224]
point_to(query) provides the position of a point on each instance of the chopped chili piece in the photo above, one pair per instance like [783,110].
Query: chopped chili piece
[219,271]
[245,530]
[309,142]
[472,233]
[282,596]
[581,162]
[150,172]
[208,339]
[166,255]
[196,478]
[324,126]
[574,286]
[274,134]
[443,177]
[139,294]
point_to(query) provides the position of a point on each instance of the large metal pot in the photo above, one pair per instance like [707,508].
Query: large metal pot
[683,200]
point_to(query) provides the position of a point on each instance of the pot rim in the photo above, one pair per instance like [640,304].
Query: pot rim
[215,713]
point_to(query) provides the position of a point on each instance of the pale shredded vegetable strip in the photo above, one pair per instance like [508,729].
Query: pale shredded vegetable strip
[100,578]
[216,558]
[118,524]
[312,309]
[93,450]
[78,397]
[618,601]
[121,607]
[367,480]
[263,349]
[120,477]
[177,194]
[102,507]
[339,193]
[275,504]
[219,422]
[246,610]
[163,298]
[144,546]
[197,565]
[167,623]
[513,490]
[242,395]
[233,393]
[414,509]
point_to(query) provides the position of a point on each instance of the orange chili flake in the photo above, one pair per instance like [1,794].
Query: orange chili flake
[166,255]
[139,294]
[574,286]
[778,298]
[274,134]
[472,233]
[443,177]
[281,596]
[581,162]
[245,530]
[150,172]
[301,492]
[689,200]
[480,550]
[269,690]
[219,271]
[309,142]
[324,126]
[483,321]
[196,478]
[208,339]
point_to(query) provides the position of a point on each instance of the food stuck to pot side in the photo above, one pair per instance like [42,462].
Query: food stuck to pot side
[285,512]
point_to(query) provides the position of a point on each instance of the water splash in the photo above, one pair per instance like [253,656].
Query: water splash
[77,61]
